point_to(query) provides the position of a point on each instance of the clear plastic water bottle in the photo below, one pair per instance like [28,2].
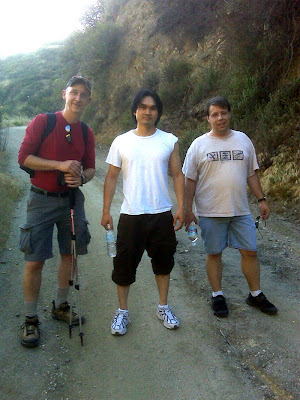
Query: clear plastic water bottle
[193,233]
[111,242]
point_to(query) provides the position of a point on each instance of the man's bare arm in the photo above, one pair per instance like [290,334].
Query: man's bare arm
[255,187]
[190,188]
[178,179]
[109,191]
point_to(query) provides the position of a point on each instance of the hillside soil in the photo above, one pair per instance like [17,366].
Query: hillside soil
[249,355]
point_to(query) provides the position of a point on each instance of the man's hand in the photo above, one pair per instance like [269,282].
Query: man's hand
[72,167]
[189,218]
[264,210]
[72,181]
[107,220]
[178,217]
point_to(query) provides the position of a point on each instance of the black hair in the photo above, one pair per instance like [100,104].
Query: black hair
[138,99]
[217,101]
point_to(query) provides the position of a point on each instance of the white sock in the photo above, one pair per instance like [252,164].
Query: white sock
[164,307]
[255,292]
[123,311]
[219,293]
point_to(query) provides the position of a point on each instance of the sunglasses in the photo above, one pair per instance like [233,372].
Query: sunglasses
[68,134]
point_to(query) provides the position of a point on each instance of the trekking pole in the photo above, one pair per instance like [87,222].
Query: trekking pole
[74,269]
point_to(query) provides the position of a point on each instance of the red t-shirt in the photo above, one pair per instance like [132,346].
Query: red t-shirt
[55,147]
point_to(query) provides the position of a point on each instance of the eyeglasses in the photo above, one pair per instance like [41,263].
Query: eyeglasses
[68,134]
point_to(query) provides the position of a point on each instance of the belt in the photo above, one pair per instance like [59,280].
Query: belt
[51,194]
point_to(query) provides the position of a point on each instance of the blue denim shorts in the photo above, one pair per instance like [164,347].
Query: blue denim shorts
[42,214]
[221,232]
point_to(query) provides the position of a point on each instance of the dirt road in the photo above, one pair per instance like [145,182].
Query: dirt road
[249,355]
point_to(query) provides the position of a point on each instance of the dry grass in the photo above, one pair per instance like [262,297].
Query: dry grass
[10,191]
[281,182]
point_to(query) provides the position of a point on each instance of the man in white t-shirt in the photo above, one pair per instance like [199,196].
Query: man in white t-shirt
[218,167]
[144,155]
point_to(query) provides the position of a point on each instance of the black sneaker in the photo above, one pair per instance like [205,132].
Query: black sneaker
[219,306]
[31,332]
[262,303]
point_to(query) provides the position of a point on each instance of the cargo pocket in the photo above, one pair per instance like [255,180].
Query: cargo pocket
[25,238]
[86,236]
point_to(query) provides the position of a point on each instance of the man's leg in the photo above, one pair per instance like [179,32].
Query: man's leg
[163,283]
[32,279]
[121,319]
[164,312]
[61,308]
[64,270]
[214,271]
[251,269]
[123,292]
[214,274]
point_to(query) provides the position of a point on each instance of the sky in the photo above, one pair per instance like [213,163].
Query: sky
[27,25]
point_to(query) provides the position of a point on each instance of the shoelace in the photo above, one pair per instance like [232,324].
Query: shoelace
[30,327]
[119,319]
[169,313]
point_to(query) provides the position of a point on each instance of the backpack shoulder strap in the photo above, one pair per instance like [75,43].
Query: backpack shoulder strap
[84,128]
[51,121]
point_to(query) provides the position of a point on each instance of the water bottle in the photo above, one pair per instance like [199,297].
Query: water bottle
[111,242]
[192,233]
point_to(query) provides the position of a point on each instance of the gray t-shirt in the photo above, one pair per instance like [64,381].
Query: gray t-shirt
[221,166]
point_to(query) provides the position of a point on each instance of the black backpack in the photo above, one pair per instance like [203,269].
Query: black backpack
[51,122]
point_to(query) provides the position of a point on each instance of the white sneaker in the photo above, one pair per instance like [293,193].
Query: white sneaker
[169,318]
[120,322]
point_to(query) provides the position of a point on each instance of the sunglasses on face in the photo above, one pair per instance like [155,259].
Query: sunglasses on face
[68,134]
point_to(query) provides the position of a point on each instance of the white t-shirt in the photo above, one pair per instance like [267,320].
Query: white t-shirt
[221,166]
[144,162]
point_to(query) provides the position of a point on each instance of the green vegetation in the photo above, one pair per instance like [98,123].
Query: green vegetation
[10,191]
[247,51]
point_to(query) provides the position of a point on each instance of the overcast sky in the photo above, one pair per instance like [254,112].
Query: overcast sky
[27,25]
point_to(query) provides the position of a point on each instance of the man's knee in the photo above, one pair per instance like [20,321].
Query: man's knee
[213,256]
[248,254]
[34,266]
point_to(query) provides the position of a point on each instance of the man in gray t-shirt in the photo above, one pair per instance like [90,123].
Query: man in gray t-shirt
[218,167]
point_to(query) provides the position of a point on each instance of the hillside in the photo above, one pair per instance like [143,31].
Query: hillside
[188,51]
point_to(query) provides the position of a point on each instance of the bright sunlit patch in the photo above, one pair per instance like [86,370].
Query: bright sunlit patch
[28,25]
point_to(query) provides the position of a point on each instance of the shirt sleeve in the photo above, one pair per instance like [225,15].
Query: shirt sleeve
[33,137]
[190,166]
[114,157]
[253,164]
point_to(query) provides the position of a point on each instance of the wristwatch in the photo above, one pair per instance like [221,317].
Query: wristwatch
[262,199]
[84,179]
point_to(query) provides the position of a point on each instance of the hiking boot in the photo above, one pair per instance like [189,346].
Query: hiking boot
[169,318]
[120,322]
[262,303]
[62,313]
[219,306]
[31,333]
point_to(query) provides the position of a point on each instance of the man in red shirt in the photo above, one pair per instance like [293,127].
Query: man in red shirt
[61,162]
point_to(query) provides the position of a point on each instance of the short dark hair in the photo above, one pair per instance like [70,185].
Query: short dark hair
[79,79]
[217,101]
[138,99]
